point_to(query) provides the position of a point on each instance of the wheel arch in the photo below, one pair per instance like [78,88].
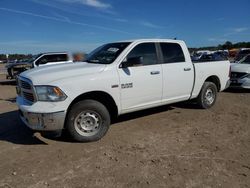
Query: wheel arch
[100,96]
[214,79]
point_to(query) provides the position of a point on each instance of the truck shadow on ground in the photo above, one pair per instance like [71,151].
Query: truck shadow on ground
[187,105]
[156,110]
[12,130]
[8,82]
[237,90]
[12,100]
[142,113]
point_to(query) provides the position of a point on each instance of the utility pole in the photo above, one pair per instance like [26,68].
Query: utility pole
[7,57]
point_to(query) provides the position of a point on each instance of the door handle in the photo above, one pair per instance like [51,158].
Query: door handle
[154,72]
[187,69]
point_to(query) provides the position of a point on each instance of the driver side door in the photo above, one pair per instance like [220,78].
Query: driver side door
[141,85]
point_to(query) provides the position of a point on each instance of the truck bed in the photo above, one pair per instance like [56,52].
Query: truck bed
[204,70]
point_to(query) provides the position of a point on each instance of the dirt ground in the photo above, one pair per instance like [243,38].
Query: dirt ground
[171,146]
[2,69]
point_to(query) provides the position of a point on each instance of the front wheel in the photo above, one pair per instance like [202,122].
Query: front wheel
[87,121]
[208,95]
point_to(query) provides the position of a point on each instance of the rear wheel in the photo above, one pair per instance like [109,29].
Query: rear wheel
[208,95]
[87,121]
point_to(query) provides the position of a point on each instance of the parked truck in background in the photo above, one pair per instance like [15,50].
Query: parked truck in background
[117,78]
[44,59]
[240,76]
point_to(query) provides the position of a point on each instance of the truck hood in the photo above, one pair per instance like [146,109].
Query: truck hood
[47,74]
[237,67]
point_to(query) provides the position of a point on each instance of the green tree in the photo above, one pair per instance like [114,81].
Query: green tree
[227,46]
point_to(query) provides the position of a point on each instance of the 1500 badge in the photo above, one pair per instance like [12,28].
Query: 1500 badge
[127,85]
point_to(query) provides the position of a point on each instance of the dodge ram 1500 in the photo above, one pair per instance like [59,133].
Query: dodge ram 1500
[115,79]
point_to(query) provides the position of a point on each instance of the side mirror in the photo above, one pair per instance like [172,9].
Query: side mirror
[132,62]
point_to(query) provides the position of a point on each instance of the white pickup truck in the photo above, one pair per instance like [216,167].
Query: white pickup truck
[117,78]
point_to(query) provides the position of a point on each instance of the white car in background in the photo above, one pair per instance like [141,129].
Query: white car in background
[240,73]
[44,59]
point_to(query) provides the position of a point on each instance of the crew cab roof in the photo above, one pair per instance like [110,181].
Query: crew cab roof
[49,53]
[152,40]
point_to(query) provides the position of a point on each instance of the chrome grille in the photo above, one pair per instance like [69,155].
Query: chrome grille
[28,96]
[26,89]
[25,85]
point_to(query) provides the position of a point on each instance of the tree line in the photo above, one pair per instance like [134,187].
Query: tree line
[12,57]
[226,46]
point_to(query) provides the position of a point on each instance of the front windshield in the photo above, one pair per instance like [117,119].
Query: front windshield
[246,60]
[107,53]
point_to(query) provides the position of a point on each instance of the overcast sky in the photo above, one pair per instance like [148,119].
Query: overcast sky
[33,26]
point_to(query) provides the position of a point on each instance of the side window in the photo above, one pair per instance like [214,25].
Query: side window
[62,57]
[145,50]
[52,58]
[43,60]
[172,53]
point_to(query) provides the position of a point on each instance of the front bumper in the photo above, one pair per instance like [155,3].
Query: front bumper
[43,121]
[42,116]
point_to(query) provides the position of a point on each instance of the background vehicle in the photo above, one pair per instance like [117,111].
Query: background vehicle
[116,78]
[241,54]
[240,76]
[15,68]
[216,56]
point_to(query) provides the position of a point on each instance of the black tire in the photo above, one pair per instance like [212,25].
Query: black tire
[85,115]
[202,99]
[10,73]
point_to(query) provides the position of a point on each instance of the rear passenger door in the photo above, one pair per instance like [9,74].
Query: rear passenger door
[178,74]
[141,86]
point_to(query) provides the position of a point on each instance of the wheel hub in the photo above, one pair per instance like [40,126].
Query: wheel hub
[209,96]
[87,123]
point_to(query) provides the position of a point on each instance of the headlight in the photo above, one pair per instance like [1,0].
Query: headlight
[49,93]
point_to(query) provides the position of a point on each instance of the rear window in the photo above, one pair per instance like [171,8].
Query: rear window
[172,53]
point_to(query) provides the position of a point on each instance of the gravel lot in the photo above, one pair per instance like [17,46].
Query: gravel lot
[2,69]
[171,146]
